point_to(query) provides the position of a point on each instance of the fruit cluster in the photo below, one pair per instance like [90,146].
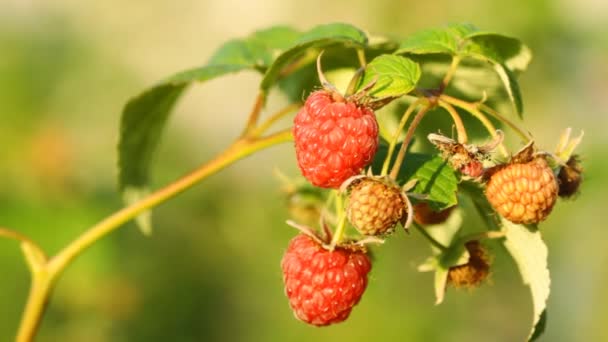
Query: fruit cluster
[336,138]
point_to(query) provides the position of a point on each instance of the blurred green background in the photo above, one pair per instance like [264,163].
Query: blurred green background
[211,270]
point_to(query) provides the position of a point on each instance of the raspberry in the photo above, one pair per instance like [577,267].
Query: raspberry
[425,215]
[335,138]
[523,192]
[570,177]
[323,286]
[475,271]
[374,208]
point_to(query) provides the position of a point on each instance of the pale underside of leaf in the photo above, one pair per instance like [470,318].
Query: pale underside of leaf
[530,254]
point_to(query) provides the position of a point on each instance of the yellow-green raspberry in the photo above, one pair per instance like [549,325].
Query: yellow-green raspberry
[523,192]
[374,207]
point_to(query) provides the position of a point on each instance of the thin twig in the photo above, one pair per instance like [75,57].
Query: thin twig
[462,132]
[254,115]
[263,127]
[391,148]
[408,138]
[448,76]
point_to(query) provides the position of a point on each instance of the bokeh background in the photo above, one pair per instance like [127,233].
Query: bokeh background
[211,270]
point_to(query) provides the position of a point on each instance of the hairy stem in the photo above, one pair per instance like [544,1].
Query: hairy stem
[448,76]
[44,277]
[472,108]
[475,109]
[525,136]
[462,132]
[408,138]
[391,147]
[255,113]
[263,127]
[339,232]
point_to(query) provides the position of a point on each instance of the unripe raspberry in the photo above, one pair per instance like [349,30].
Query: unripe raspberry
[475,271]
[570,177]
[425,215]
[374,207]
[523,192]
[323,286]
[335,138]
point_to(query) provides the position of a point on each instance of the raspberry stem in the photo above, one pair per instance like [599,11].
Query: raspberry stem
[45,272]
[263,127]
[393,143]
[408,138]
[448,76]
[11,234]
[254,115]
[339,232]
[462,133]
[430,238]
[525,136]
[476,110]
[361,57]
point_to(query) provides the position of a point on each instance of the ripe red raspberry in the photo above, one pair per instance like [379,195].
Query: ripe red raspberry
[374,207]
[335,138]
[475,271]
[523,192]
[323,286]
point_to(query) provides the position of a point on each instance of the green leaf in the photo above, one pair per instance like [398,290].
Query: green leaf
[145,115]
[446,40]
[540,326]
[512,86]
[436,179]
[508,55]
[277,38]
[257,50]
[529,251]
[244,52]
[499,49]
[143,119]
[318,37]
[394,76]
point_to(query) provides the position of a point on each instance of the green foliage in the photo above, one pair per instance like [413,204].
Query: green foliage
[435,179]
[506,55]
[285,57]
[529,251]
[317,38]
[393,75]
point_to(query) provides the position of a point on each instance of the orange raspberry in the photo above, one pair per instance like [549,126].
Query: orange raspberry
[374,207]
[523,192]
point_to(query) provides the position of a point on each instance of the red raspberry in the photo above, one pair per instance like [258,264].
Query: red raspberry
[335,138]
[323,286]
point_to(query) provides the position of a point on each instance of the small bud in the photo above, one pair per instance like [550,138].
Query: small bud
[570,177]
[475,271]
